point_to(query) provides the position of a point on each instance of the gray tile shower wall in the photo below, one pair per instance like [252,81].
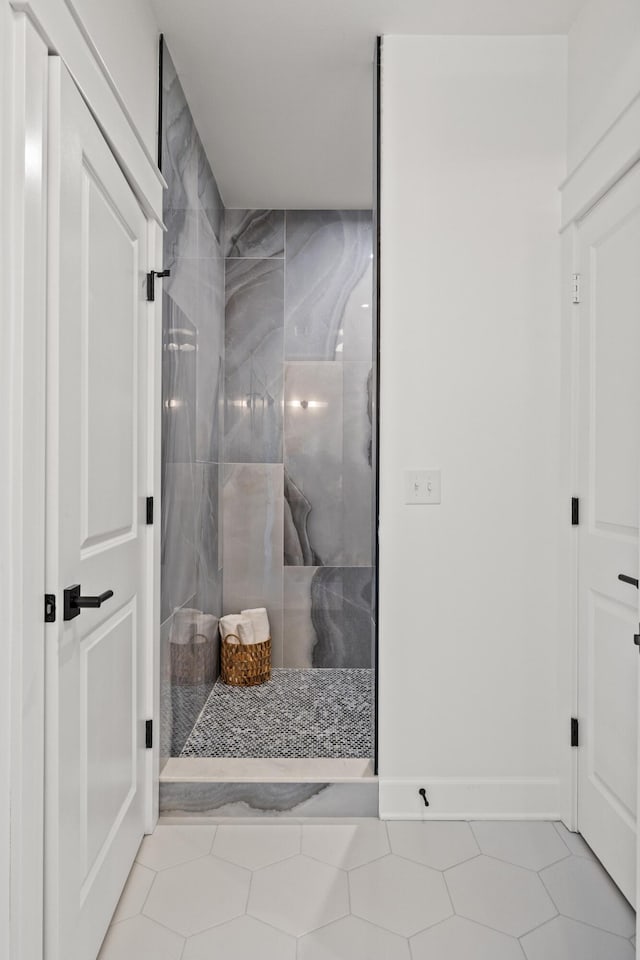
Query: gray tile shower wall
[328,461]
[254,331]
[254,233]
[192,395]
[329,285]
[252,542]
[298,484]
[328,616]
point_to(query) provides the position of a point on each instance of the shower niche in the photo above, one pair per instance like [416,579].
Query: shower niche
[268,493]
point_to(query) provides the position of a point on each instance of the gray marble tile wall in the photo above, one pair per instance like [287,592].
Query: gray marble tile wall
[252,536]
[192,395]
[298,438]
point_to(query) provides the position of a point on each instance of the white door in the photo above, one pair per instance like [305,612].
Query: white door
[609,478]
[96,484]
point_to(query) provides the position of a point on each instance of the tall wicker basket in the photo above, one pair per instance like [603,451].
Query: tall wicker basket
[245,665]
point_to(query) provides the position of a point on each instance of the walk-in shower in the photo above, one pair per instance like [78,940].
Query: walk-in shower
[269,446]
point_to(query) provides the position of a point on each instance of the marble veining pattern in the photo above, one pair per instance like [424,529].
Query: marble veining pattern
[328,617]
[328,463]
[254,233]
[253,361]
[179,572]
[210,313]
[298,713]
[342,616]
[179,345]
[193,209]
[267,799]
[329,287]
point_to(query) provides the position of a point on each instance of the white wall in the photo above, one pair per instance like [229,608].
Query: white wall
[473,150]
[604,71]
[6,651]
[126,36]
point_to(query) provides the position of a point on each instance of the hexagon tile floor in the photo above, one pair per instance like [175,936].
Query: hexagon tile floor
[366,890]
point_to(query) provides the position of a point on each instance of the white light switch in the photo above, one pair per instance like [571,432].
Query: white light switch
[422,486]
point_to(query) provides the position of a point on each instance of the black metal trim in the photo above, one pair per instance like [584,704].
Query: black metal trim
[376,267]
[149,510]
[74,603]
[575,511]
[575,732]
[148,734]
[49,608]
[151,282]
[160,78]
[625,578]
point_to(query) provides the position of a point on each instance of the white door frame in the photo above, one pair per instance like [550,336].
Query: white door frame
[28,32]
[603,167]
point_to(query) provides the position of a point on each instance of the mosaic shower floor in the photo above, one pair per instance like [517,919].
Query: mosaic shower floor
[298,713]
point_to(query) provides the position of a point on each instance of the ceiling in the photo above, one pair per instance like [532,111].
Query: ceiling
[282,90]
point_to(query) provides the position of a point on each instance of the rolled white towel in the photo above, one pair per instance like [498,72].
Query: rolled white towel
[236,629]
[206,628]
[260,620]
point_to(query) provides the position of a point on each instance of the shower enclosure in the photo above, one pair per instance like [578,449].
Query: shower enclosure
[268,454]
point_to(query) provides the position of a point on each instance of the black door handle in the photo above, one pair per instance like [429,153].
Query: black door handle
[626,579]
[74,603]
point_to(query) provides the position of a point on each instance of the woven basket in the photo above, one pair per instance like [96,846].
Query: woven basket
[245,664]
[193,663]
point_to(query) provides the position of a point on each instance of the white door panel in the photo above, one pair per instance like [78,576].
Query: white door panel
[97,481]
[609,476]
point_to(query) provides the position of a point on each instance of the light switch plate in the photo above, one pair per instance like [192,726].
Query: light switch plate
[422,486]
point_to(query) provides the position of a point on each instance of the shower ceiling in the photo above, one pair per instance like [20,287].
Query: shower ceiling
[282,90]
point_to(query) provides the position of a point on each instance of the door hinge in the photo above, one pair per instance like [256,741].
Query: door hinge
[575,511]
[149,510]
[575,740]
[148,734]
[49,608]
[151,281]
[575,287]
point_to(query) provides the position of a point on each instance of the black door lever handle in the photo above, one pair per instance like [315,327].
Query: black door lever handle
[74,603]
[626,579]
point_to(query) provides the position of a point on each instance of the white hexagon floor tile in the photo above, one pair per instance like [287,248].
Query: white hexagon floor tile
[254,846]
[581,889]
[193,896]
[135,893]
[170,845]
[437,843]
[345,845]
[531,844]
[355,939]
[575,842]
[399,895]
[298,895]
[564,939]
[499,895]
[461,939]
[241,939]
[141,939]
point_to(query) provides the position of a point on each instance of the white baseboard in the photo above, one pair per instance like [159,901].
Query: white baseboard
[481,799]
